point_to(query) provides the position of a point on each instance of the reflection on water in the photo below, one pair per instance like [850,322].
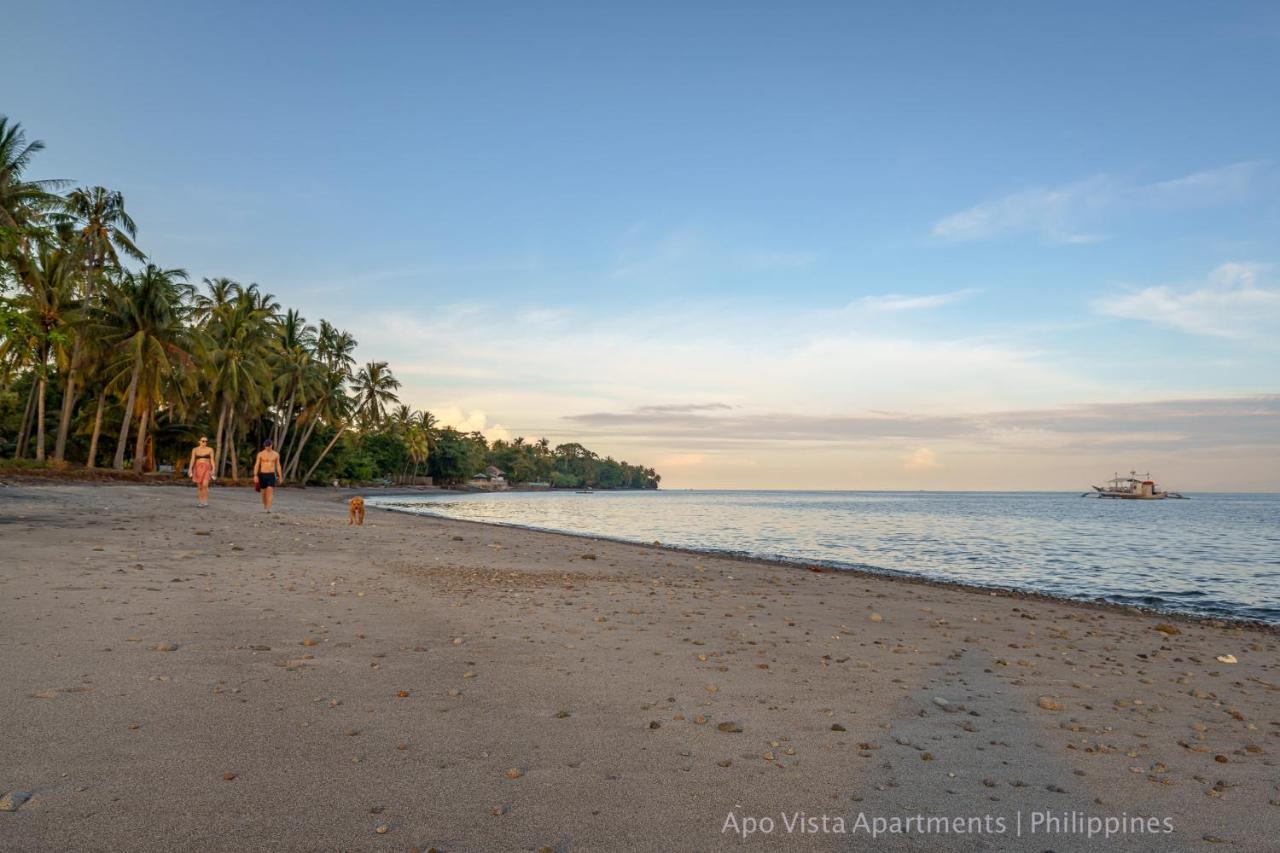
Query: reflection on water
[1214,555]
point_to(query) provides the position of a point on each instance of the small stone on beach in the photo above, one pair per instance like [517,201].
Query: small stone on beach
[13,800]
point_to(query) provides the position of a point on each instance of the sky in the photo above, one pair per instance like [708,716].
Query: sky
[755,245]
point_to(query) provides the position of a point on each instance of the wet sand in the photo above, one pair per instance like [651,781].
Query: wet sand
[220,679]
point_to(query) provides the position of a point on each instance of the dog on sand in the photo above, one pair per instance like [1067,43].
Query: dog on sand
[355,511]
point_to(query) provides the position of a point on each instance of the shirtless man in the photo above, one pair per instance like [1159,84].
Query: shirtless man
[266,473]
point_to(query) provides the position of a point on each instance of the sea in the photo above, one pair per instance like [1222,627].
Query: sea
[1214,555]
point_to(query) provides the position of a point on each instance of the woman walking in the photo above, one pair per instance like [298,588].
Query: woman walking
[266,473]
[200,470]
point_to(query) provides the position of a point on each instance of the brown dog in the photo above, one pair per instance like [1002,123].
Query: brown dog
[355,511]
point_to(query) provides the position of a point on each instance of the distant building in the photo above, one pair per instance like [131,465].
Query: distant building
[490,478]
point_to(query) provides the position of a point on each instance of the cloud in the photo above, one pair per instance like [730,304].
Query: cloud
[1223,185]
[1047,212]
[897,302]
[684,407]
[923,459]
[1176,424]
[785,360]
[1231,303]
[470,421]
[686,250]
[1072,213]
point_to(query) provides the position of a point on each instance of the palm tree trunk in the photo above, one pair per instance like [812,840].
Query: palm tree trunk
[20,446]
[217,444]
[229,439]
[324,453]
[129,399]
[97,428]
[231,445]
[301,446]
[284,427]
[140,444]
[68,404]
[300,439]
[40,419]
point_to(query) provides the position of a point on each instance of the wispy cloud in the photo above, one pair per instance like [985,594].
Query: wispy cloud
[1224,185]
[1231,303]
[1074,212]
[644,252]
[897,302]
[1173,424]
[1047,212]
[683,407]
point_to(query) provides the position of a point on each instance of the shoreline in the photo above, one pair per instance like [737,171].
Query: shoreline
[870,572]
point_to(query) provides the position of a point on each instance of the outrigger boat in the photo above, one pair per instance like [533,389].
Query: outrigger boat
[1132,489]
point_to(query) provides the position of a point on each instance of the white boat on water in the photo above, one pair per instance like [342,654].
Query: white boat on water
[1132,489]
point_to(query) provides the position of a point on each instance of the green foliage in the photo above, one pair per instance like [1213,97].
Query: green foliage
[568,466]
[456,457]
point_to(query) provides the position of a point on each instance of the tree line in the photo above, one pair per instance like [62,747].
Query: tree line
[109,359]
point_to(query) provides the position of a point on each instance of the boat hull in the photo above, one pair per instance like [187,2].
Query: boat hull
[1115,497]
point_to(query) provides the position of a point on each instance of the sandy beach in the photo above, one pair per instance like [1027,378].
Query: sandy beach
[221,679]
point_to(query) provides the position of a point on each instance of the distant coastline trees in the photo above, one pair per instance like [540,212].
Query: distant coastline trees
[90,347]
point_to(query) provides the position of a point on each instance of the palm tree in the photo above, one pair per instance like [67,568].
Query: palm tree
[23,203]
[334,357]
[47,298]
[96,365]
[375,390]
[94,222]
[97,228]
[337,410]
[222,292]
[237,339]
[292,364]
[401,418]
[415,443]
[143,319]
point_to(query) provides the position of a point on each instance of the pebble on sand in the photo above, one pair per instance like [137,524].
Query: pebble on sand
[514,772]
[875,617]
[1227,659]
[1049,704]
[228,776]
[165,647]
[730,727]
[13,800]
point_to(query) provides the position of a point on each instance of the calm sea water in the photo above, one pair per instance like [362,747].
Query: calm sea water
[1214,555]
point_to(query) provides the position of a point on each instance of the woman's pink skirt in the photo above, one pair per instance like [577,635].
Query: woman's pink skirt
[202,472]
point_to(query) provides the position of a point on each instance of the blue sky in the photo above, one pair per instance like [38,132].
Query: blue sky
[575,219]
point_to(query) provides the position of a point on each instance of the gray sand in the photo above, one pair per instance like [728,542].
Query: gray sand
[326,681]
